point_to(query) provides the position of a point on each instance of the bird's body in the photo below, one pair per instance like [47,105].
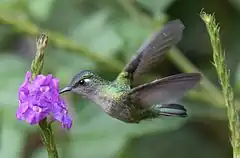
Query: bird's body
[123,99]
[112,97]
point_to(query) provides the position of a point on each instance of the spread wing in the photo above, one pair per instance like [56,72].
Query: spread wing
[153,48]
[164,90]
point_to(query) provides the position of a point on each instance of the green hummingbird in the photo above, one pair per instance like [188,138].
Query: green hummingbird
[124,101]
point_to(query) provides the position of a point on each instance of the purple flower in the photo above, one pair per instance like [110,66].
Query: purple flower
[41,98]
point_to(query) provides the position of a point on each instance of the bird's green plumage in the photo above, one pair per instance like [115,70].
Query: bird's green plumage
[123,80]
[117,88]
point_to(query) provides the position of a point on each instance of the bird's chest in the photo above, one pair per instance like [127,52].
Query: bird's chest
[115,107]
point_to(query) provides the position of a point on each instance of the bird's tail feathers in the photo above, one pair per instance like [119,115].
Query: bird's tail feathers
[171,110]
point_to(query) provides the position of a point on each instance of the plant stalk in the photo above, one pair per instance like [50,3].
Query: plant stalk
[36,69]
[48,139]
[223,75]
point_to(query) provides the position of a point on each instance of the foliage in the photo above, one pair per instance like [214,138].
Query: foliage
[103,36]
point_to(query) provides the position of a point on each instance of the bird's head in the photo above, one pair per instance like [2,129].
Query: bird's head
[85,83]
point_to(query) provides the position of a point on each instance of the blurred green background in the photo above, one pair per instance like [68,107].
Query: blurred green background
[102,36]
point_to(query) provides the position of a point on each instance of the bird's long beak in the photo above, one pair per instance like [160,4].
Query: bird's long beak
[66,89]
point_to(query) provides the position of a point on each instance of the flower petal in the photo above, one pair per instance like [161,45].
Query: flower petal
[40,98]
[27,79]
[55,83]
[67,122]
[61,114]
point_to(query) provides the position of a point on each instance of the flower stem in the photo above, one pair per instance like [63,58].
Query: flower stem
[224,75]
[48,138]
[36,69]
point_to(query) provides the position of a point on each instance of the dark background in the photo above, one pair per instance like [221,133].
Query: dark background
[102,36]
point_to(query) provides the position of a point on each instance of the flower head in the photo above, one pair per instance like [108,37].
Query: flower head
[39,99]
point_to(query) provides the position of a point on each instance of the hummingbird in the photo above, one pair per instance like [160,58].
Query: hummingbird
[122,99]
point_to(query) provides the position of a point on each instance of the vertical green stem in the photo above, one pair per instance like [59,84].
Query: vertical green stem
[48,139]
[36,69]
[224,75]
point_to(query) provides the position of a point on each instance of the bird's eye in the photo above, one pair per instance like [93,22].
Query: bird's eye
[81,82]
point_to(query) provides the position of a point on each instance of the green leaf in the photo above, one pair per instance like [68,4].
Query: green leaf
[156,6]
[108,42]
[40,9]
[12,76]
[96,34]
[11,140]
[41,153]
[133,35]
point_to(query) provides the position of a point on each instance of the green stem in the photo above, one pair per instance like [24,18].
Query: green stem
[48,139]
[224,75]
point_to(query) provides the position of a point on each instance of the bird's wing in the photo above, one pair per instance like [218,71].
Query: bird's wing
[153,48]
[165,90]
